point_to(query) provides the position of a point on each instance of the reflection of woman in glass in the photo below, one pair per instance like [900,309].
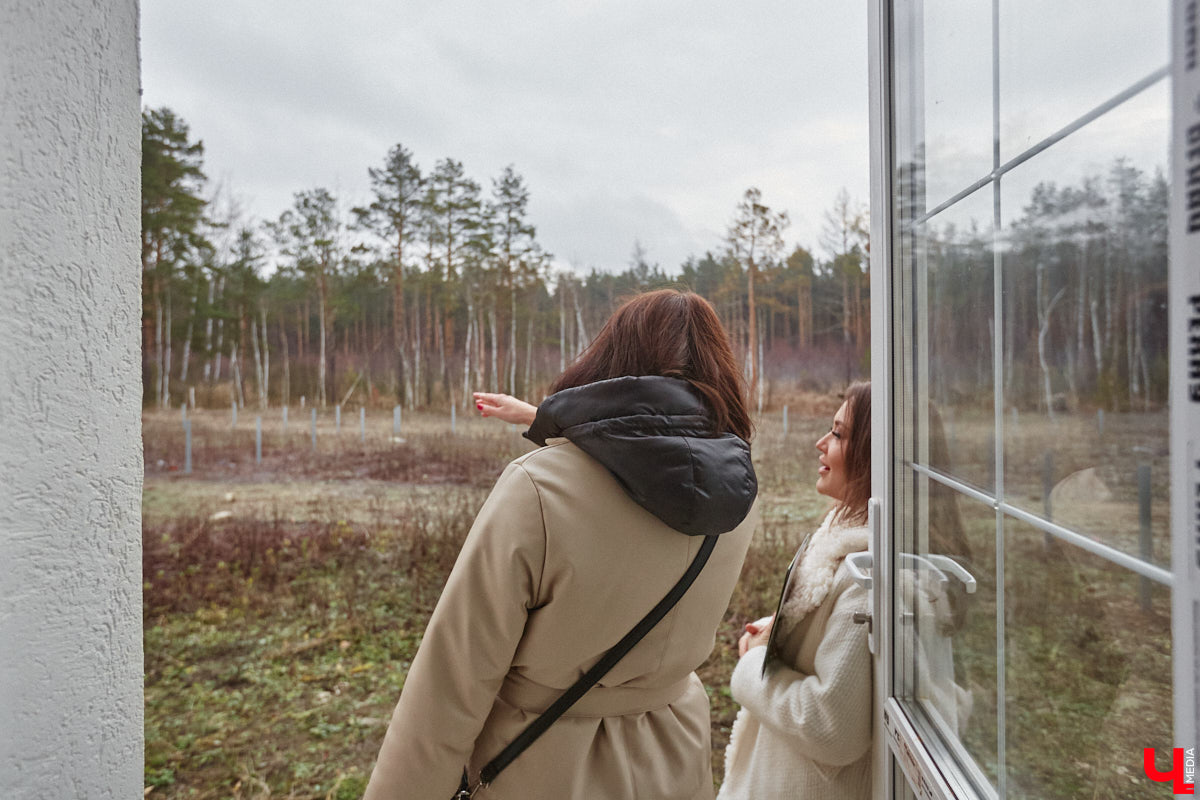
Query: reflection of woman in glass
[947,534]
[933,590]
[804,677]
[645,459]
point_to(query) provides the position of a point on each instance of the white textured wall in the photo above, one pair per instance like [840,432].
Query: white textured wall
[70,398]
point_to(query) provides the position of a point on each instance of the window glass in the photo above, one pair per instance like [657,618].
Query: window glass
[1085,330]
[954,297]
[1058,697]
[1087,672]
[952,87]
[1060,60]
[946,608]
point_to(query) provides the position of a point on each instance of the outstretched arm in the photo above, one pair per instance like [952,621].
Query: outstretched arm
[505,407]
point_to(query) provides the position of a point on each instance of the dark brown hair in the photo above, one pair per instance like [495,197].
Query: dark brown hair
[947,534]
[672,333]
[857,455]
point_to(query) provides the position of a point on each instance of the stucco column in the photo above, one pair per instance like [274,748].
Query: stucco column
[70,400]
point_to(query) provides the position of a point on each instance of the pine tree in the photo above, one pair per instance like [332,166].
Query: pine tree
[755,237]
[518,252]
[309,234]
[393,216]
[172,214]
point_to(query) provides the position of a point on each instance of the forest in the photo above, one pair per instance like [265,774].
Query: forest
[1084,297]
[439,287]
[285,592]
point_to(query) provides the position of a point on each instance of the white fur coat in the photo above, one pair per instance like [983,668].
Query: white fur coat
[804,729]
[819,560]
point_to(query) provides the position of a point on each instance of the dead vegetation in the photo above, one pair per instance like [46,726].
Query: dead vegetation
[285,600]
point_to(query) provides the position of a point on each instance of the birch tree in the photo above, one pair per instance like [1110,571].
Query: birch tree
[844,236]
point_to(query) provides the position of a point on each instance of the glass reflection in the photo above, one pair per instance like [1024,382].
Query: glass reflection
[1087,671]
[1084,676]
[1060,60]
[954,300]
[945,75]
[946,588]
[1085,332]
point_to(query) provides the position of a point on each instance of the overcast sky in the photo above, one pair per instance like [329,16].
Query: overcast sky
[640,120]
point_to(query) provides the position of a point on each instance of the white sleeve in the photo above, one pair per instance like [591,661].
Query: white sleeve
[827,713]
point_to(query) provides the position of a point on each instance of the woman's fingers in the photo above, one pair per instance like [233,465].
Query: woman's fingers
[756,634]
[487,403]
[504,407]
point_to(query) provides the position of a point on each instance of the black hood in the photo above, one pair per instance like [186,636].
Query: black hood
[654,435]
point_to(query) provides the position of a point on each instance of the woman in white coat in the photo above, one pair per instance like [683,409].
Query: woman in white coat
[804,677]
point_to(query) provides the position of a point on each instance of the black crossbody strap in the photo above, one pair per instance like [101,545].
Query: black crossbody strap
[606,662]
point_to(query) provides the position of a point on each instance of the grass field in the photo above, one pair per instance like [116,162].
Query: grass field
[285,599]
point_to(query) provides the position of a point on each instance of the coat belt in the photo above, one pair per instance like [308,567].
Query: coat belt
[600,701]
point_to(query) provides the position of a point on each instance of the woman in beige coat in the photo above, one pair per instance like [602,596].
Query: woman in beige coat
[804,678]
[645,455]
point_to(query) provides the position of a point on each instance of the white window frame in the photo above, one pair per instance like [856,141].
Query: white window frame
[899,745]
[1183,284]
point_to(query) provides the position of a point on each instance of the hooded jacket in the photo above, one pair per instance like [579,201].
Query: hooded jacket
[577,541]
[654,435]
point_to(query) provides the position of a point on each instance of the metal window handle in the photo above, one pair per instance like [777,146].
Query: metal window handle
[928,562]
[956,569]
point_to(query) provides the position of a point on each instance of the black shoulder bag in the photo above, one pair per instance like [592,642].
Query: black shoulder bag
[589,678]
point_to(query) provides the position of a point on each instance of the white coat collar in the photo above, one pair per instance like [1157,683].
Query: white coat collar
[819,557]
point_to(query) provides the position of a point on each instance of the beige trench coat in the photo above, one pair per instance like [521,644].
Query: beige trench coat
[559,565]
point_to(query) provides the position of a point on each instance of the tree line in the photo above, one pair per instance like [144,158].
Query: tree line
[439,286]
[1084,298]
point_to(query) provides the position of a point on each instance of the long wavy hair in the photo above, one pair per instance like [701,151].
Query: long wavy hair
[675,334]
[856,459]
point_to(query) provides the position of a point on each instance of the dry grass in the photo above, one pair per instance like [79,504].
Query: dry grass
[277,637]
[305,600]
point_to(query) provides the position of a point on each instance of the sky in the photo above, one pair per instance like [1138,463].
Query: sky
[634,121]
